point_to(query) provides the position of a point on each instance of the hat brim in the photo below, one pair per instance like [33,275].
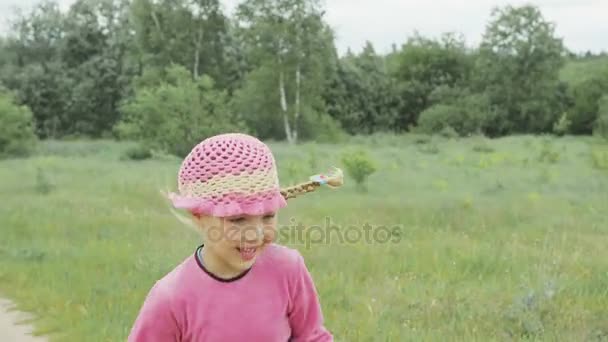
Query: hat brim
[230,205]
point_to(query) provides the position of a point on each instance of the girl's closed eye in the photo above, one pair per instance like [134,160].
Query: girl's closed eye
[269,217]
[238,219]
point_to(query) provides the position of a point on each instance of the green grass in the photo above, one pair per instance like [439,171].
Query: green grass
[575,72]
[499,240]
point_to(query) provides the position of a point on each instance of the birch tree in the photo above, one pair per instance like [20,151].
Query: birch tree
[290,38]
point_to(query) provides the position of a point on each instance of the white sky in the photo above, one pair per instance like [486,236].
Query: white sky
[582,23]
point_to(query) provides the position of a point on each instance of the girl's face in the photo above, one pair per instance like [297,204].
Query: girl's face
[235,242]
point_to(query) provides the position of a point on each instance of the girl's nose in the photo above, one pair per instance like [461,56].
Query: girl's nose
[253,234]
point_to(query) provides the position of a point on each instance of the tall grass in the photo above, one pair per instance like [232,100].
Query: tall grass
[489,240]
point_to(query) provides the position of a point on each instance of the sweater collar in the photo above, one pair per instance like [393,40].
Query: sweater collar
[199,261]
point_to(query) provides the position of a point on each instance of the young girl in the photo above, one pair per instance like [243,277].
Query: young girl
[239,285]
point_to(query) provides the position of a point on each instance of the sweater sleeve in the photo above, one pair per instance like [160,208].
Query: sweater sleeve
[305,315]
[155,321]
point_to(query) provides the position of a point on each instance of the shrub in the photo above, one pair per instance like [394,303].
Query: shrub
[422,139]
[548,153]
[468,115]
[585,110]
[139,152]
[562,126]
[481,145]
[435,118]
[448,132]
[44,167]
[359,166]
[320,127]
[526,317]
[431,148]
[17,138]
[601,125]
[43,184]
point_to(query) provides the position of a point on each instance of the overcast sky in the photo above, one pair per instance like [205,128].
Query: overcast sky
[582,23]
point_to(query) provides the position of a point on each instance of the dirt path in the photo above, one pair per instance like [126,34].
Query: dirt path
[11,329]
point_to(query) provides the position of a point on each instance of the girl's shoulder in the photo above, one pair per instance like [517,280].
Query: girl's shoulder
[174,281]
[281,258]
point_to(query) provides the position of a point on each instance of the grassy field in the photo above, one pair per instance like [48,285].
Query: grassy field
[499,240]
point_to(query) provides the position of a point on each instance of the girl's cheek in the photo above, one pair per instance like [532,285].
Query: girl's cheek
[270,234]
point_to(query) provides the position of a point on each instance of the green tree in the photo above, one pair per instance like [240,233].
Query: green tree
[96,55]
[260,112]
[71,69]
[235,60]
[601,124]
[518,65]
[359,166]
[37,35]
[467,114]
[586,96]
[191,33]
[7,55]
[424,65]
[361,94]
[176,112]
[290,38]
[33,70]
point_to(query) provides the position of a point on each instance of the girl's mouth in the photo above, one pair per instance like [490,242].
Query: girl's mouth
[247,253]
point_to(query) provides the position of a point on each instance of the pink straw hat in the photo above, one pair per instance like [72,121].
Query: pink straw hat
[227,175]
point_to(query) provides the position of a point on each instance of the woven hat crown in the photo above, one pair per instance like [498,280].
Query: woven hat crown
[229,174]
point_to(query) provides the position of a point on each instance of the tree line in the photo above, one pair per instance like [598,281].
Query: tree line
[170,72]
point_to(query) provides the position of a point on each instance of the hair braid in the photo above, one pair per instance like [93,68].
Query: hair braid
[332,179]
[300,189]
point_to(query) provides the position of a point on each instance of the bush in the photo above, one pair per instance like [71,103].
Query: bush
[482,146]
[449,132]
[359,166]
[430,148]
[422,139]
[17,138]
[601,125]
[43,184]
[175,115]
[435,118]
[562,126]
[587,97]
[321,128]
[548,153]
[139,152]
[468,115]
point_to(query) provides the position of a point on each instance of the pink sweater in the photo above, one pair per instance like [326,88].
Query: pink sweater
[274,301]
